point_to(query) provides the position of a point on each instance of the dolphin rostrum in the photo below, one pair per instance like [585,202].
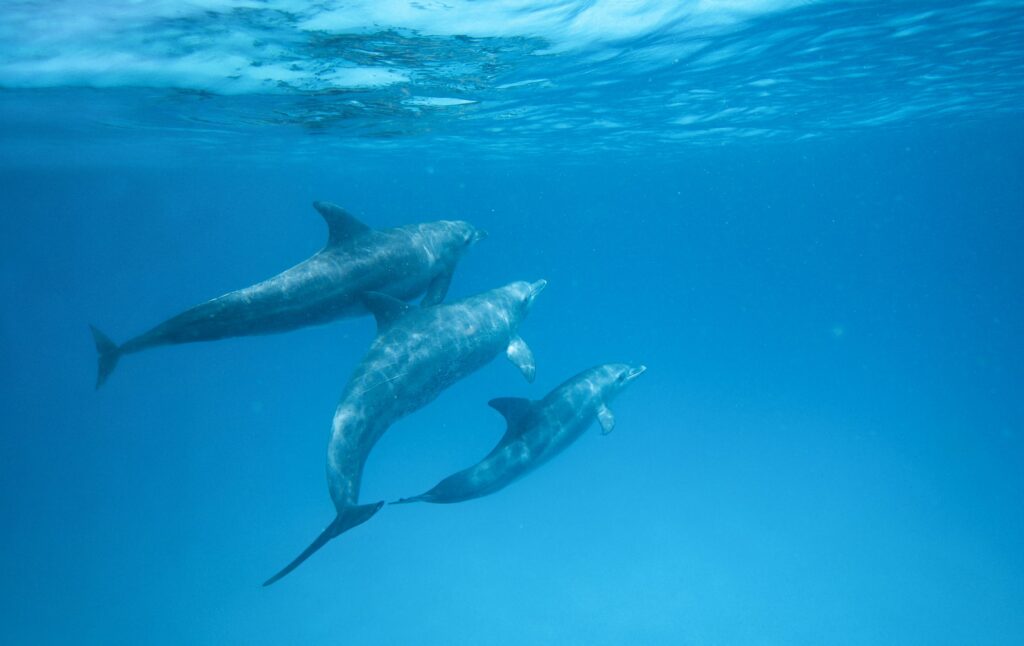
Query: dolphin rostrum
[537,431]
[402,262]
[417,354]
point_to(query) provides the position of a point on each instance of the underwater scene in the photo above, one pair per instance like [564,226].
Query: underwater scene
[503,322]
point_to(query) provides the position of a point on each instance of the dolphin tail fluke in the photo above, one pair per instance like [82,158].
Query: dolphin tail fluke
[109,354]
[345,521]
[320,541]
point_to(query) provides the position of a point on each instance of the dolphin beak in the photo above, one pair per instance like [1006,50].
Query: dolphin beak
[635,372]
[537,287]
[478,235]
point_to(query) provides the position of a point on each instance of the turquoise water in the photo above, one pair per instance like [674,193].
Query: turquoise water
[806,219]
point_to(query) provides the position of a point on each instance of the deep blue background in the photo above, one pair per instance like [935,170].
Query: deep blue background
[827,448]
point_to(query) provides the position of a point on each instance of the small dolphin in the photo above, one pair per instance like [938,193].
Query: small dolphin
[417,354]
[537,431]
[402,262]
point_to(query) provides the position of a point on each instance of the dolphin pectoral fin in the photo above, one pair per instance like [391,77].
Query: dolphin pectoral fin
[109,354]
[606,419]
[438,288]
[386,309]
[341,225]
[520,354]
[345,521]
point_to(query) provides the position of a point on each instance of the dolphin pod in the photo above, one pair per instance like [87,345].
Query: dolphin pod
[537,431]
[418,353]
[403,262]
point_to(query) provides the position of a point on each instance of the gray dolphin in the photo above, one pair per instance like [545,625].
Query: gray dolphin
[537,431]
[416,355]
[403,262]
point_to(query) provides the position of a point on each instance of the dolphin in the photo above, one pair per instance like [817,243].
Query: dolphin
[417,354]
[402,262]
[537,431]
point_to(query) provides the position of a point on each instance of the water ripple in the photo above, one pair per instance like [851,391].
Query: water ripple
[503,76]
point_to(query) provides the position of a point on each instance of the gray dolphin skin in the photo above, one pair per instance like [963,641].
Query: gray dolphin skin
[417,354]
[537,431]
[402,262]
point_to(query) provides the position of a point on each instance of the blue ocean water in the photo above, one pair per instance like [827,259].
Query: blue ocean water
[806,219]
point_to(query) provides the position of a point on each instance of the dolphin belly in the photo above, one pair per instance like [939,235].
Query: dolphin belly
[240,314]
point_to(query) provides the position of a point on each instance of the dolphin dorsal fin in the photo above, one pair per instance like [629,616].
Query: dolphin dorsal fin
[514,409]
[386,309]
[341,225]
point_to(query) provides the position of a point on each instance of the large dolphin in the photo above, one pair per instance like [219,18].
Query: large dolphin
[402,262]
[416,355]
[537,431]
